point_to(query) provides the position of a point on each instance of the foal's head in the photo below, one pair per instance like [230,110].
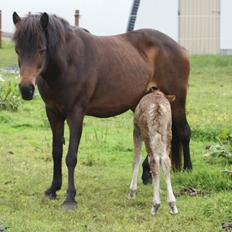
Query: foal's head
[31,48]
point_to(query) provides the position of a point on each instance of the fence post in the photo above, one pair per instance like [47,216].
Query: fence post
[0,29]
[77,18]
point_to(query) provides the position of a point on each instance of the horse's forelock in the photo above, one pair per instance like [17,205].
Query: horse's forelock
[30,34]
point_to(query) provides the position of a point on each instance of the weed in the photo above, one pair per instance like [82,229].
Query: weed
[9,96]
[223,148]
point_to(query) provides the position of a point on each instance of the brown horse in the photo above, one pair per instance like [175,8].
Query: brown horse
[80,74]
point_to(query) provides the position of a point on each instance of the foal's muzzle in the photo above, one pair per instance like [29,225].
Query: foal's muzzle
[27,92]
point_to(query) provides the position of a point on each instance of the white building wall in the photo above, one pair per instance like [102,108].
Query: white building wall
[163,16]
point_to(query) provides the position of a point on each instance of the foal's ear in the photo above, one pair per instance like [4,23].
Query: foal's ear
[171,98]
[16,18]
[44,20]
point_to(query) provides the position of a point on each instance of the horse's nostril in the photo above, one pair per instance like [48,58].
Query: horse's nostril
[32,88]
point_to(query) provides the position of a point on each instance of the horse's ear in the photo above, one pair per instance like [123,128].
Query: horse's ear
[171,98]
[16,18]
[44,20]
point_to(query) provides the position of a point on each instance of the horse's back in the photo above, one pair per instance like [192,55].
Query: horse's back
[168,58]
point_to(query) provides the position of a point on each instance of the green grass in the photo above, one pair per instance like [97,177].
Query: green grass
[105,166]
[7,54]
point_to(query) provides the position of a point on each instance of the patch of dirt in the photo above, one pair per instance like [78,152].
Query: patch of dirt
[191,192]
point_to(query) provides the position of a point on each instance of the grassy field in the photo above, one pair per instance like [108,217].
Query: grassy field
[105,165]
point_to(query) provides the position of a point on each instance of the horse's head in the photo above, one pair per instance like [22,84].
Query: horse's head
[31,48]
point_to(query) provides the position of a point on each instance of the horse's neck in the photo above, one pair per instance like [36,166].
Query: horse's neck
[53,69]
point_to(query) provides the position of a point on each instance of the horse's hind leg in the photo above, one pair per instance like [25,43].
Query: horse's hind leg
[166,165]
[136,163]
[154,165]
[57,126]
[185,138]
[146,175]
[181,138]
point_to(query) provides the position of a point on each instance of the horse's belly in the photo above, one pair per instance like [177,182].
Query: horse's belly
[118,95]
[123,78]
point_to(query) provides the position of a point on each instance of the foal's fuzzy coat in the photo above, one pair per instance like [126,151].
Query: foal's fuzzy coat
[153,123]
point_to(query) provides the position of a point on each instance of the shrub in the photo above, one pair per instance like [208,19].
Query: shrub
[222,148]
[9,96]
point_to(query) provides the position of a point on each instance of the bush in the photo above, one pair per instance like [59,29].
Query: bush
[9,96]
[223,147]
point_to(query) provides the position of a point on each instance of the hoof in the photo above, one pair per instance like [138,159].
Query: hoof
[154,209]
[131,194]
[173,208]
[70,205]
[50,195]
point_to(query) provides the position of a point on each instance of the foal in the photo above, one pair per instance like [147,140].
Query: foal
[153,123]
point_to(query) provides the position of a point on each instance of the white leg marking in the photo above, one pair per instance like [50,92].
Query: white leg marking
[156,185]
[166,165]
[136,163]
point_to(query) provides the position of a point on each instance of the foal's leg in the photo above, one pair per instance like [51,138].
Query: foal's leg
[166,165]
[75,122]
[137,159]
[154,165]
[57,126]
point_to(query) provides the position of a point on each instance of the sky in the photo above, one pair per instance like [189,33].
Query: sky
[106,17]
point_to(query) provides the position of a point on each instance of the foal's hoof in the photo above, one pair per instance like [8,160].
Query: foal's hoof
[173,208]
[70,205]
[49,194]
[131,194]
[154,209]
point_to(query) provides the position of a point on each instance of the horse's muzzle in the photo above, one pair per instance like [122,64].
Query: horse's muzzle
[27,92]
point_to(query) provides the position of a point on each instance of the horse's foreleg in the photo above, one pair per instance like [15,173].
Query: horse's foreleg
[75,122]
[57,126]
[137,160]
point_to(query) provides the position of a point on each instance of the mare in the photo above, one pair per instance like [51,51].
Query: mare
[78,74]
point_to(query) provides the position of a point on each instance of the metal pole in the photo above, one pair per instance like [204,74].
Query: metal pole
[0,29]
[133,15]
[77,18]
